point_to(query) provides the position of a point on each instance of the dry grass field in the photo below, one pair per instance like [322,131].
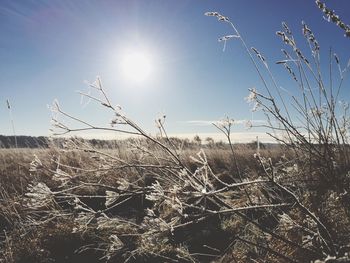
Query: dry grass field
[132,204]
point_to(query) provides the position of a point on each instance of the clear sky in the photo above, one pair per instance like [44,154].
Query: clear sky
[49,48]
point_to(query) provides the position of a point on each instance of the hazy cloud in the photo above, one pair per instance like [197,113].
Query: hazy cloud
[210,123]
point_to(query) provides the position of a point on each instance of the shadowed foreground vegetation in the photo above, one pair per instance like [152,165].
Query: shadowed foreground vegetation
[84,204]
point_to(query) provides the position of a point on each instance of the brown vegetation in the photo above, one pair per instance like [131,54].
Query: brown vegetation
[108,215]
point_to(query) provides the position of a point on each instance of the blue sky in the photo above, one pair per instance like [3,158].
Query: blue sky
[49,48]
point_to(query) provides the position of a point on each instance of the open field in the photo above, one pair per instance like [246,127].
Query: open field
[91,205]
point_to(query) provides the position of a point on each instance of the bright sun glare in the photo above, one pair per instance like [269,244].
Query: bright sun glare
[136,66]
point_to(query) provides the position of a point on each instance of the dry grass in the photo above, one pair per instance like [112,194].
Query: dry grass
[53,232]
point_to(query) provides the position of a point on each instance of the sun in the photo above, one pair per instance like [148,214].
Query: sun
[136,66]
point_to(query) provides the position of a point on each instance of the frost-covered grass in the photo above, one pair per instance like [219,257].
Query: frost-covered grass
[86,205]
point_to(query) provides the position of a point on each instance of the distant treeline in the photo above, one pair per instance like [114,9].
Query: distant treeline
[44,142]
[23,142]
